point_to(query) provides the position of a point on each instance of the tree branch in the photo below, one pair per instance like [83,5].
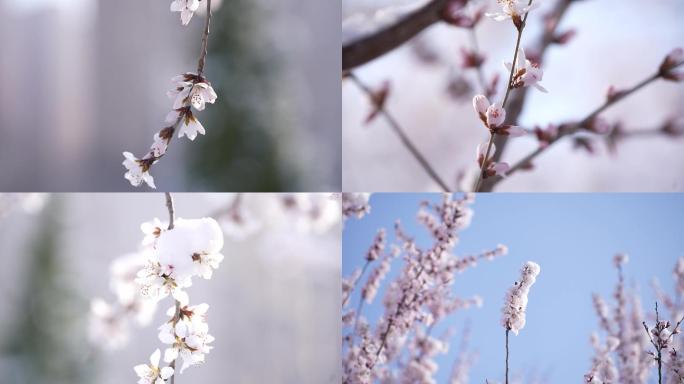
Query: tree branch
[402,136]
[205,42]
[573,128]
[517,100]
[370,47]
[509,86]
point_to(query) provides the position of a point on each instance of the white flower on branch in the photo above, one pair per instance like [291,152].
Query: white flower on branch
[512,9]
[191,89]
[191,248]
[526,73]
[190,126]
[515,304]
[138,170]
[187,9]
[187,333]
[152,374]
[493,116]
[161,141]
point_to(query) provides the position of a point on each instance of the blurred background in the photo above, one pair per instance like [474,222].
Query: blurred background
[85,80]
[618,42]
[273,301]
[573,237]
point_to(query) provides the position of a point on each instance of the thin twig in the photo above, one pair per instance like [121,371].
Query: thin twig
[509,86]
[402,136]
[205,42]
[507,331]
[169,206]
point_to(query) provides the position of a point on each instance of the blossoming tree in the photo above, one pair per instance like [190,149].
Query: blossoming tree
[524,71]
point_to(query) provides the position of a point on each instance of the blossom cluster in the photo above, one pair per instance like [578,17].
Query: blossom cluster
[515,304]
[624,358]
[190,91]
[414,301]
[177,253]
[523,73]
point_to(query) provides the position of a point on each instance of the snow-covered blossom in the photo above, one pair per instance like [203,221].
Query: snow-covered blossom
[515,304]
[187,9]
[672,61]
[138,170]
[526,73]
[512,9]
[187,333]
[151,373]
[191,248]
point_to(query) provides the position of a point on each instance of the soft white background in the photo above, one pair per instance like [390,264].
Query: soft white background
[619,42]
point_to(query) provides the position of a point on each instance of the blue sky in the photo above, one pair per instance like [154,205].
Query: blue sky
[572,236]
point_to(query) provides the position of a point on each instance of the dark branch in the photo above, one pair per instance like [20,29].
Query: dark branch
[367,48]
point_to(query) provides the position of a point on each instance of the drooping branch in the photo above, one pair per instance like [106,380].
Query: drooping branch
[405,140]
[367,48]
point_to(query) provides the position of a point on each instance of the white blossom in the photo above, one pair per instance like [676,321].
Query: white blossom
[152,374]
[187,334]
[526,73]
[189,89]
[515,303]
[190,126]
[138,170]
[187,9]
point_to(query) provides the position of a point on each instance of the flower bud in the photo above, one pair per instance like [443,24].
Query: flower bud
[480,103]
[495,115]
